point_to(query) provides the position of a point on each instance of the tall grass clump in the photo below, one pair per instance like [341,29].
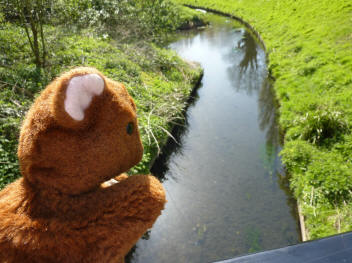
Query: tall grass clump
[320,126]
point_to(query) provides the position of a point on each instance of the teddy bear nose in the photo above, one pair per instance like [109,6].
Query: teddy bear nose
[130,128]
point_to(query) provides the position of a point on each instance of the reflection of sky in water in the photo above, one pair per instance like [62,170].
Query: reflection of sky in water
[224,198]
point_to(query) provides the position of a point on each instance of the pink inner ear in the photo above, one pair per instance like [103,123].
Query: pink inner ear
[79,94]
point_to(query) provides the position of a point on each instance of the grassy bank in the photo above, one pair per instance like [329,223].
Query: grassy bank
[309,46]
[158,80]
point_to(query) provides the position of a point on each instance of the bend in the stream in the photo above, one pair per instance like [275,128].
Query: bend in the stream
[226,187]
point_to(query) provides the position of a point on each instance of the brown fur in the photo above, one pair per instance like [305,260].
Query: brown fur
[59,211]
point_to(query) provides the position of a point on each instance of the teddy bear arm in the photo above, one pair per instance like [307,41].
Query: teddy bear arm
[128,209]
[138,197]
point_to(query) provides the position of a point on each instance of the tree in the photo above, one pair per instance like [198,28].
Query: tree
[31,15]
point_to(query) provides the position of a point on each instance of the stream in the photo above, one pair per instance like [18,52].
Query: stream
[226,187]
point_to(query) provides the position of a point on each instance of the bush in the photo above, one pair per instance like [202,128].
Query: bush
[325,173]
[9,169]
[123,19]
[334,179]
[10,117]
[297,155]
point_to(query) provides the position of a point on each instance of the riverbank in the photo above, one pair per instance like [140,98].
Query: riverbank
[309,51]
[226,151]
[158,80]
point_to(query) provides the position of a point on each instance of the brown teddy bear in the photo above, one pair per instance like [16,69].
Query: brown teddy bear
[80,133]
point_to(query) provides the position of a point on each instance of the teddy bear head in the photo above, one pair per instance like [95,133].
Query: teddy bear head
[81,131]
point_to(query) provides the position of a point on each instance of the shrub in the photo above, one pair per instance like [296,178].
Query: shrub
[332,175]
[327,173]
[124,19]
[10,117]
[297,155]
[318,173]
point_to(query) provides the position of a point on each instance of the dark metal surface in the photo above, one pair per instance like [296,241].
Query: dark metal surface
[334,249]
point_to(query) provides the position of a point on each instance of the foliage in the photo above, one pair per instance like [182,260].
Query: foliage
[325,172]
[125,20]
[9,120]
[158,80]
[310,59]
[320,126]
[8,161]
[31,15]
[297,155]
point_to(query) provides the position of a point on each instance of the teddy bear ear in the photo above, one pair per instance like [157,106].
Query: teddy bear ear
[80,92]
[74,99]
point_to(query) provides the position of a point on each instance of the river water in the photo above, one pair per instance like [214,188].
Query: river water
[225,185]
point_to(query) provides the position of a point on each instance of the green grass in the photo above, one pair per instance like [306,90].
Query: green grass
[309,47]
[158,80]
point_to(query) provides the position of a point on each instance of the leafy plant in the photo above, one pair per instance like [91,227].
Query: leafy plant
[31,15]
[297,155]
[10,117]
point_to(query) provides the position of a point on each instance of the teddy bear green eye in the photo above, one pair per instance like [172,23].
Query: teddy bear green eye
[129,128]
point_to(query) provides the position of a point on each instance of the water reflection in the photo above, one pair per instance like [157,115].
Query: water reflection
[268,118]
[246,75]
[223,180]
[249,45]
[248,71]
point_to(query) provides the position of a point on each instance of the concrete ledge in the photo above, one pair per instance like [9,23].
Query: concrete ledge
[304,234]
